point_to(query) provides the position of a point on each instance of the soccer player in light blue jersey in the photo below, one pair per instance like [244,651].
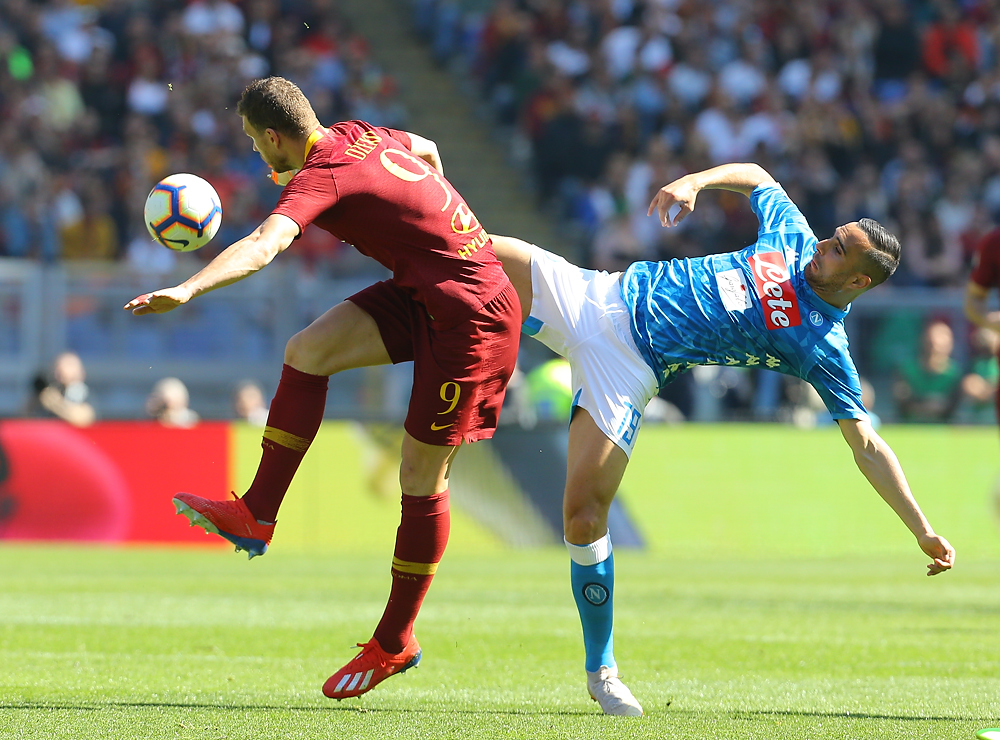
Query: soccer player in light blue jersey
[779,304]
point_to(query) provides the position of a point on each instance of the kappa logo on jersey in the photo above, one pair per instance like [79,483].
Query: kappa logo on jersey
[774,288]
[733,290]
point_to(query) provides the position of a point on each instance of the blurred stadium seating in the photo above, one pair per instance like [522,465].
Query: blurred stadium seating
[101,100]
[888,109]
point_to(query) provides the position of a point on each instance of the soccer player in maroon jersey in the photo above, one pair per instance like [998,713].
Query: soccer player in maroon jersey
[985,277]
[448,307]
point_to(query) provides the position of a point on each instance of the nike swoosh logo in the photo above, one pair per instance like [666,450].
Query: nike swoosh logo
[438,427]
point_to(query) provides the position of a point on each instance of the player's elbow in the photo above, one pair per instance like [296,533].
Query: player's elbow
[861,436]
[762,176]
[865,459]
[870,451]
[433,157]
[427,150]
[264,251]
[271,239]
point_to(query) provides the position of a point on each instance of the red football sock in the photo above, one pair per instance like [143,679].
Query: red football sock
[292,422]
[420,542]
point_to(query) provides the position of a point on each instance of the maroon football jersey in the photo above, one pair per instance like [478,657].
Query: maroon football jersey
[362,184]
[986,272]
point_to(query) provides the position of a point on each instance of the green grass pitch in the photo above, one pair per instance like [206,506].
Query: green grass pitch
[779,598]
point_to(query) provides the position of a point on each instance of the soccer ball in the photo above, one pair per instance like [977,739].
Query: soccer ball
[183,212]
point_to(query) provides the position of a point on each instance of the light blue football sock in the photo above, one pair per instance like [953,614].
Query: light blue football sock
[592,573]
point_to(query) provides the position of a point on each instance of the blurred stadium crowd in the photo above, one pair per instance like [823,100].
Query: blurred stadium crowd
[100,100]
[888,109]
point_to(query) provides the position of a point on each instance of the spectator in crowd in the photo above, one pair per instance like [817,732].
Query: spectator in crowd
[550,390]
[985,277]
[93,236]
[950,47]
[979,385]
[616,245]
[927,385]
[896,54]
[868,399]
[67,395]
[168,403]
[249,403]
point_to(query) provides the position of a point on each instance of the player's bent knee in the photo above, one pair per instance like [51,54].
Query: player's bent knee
[586,523]
[302,354]
[423,469]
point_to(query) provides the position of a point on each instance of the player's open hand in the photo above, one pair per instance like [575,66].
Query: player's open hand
[679,194]
[159,302]
[939,549]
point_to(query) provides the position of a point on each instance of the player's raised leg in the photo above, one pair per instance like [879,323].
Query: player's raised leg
[594,470]
[420,543]
[342,338]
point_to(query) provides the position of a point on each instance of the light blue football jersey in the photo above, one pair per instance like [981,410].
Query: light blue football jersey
[751,308]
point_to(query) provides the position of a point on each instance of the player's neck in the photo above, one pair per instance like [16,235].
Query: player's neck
[839,299]
[295,151]
[315,136]
[298,149]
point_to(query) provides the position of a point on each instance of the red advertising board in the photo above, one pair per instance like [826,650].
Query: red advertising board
[110,482]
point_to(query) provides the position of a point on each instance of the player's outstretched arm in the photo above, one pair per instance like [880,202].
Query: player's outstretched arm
[879,465]
[427,150]
[683,192]
[239,260]
[515,255]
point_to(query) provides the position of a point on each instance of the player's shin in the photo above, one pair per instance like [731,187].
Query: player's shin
[420,543]
[292,422]
[592,573]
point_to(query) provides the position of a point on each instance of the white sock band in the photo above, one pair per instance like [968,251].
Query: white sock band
[592,554]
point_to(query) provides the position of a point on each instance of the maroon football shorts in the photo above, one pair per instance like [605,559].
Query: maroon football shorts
[460,374]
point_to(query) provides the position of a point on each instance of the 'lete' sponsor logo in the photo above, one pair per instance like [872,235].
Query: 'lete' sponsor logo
[774,288]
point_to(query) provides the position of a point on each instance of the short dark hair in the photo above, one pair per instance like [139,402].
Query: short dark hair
[277,103]
[881,258]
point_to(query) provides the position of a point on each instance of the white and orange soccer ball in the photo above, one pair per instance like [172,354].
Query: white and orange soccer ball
[183,212]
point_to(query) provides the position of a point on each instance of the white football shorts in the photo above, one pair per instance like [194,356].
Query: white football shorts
[580,314]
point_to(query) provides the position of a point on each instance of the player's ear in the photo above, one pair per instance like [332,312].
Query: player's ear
[860,282]
[273,136]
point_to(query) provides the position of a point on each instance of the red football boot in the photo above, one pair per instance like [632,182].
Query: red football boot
[369,668]
[229,519]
